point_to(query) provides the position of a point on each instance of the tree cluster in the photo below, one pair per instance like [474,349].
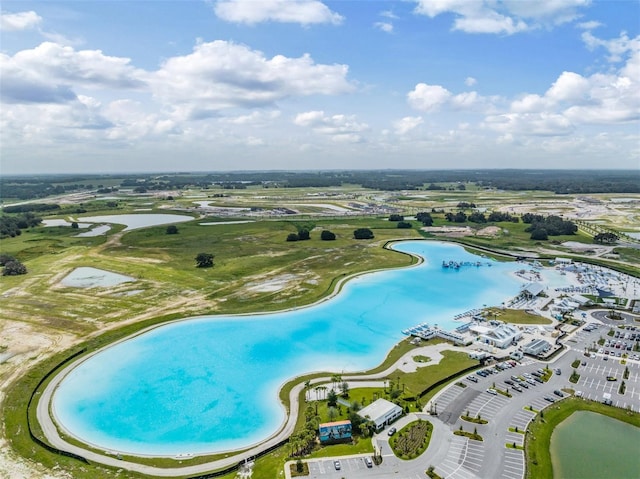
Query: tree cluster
[477,217]
[425,218]
[459,217]
[11,226]
[31,207]
[301,235]
[543,227]
[204,260]
[404,225]
[11,266]
[463,205]
[396,217]
[497,216]
[327,235]
[363,233]
[607,237]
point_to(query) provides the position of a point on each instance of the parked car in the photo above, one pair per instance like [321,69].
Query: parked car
[472,378]
[392,431]
[492,391]
[549,398]
[337,465]
[558,393]
[368,462]
[516,388]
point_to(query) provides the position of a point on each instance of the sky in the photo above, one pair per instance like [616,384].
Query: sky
[116,86]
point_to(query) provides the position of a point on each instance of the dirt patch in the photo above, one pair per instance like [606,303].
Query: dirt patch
[452,231]
[489,231]
[277,283]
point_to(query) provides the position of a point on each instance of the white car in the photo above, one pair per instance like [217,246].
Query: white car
[492,391]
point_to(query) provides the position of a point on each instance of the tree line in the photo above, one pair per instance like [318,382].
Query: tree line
[558,181]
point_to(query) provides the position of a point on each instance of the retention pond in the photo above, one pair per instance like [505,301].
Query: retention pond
[588,445]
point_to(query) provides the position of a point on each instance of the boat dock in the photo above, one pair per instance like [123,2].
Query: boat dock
[426,332]
[458,264]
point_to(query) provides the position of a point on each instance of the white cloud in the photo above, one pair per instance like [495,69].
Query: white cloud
[255,118]
[470,81]
[428,97]
[536,124]
[389,14]
[616,47]
[384,26]
[591,25]
[502,16]
[50,73]
[304,12]
[340,128]
[569,87]
[574,100]
[11,22]
[220,75]
[406,124]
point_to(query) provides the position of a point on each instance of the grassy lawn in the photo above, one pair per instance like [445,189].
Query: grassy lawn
[516,316]
[538,437]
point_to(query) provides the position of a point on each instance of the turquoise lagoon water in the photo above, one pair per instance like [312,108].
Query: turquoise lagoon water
[211,384]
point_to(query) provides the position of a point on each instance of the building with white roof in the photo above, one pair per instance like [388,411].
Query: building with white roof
[501,336]
[381,412]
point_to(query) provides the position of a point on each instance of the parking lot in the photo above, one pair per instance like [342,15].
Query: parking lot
[602,374]
[327,467]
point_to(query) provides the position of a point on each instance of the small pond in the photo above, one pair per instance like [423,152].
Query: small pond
[133,222]
[588,445]
[86,277]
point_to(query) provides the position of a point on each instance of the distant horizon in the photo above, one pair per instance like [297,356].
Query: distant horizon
[309,170]
[220,85]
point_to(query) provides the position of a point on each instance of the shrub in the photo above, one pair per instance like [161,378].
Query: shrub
[327,235]
[292,237]
[363,233]
[14,268]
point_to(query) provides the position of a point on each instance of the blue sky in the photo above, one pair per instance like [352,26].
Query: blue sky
[114,86]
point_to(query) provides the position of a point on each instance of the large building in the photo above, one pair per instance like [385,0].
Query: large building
[501,336]
[536,347]
[381,412]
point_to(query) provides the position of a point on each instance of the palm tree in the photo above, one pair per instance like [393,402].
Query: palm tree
[333,413]
[307,385]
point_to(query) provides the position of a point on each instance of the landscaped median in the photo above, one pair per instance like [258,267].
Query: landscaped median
[412,440]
